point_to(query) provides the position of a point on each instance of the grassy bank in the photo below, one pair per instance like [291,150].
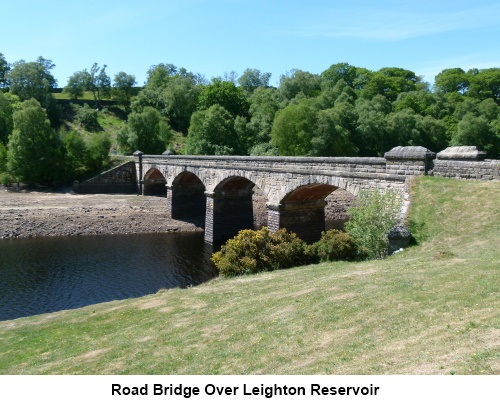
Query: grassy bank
[432,309]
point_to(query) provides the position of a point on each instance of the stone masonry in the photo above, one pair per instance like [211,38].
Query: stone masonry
[221,191]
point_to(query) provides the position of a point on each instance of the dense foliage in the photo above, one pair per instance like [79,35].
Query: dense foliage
[256,251]
[343,111]
[336,245]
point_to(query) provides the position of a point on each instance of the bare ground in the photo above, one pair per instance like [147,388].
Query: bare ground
[32,214]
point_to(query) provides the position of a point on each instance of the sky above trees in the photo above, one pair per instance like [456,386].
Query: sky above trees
[214,37]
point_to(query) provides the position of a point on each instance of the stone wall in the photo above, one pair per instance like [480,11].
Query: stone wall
[119,180]
[465,162]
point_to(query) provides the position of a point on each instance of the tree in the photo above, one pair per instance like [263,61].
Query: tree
[298,82]
[389,82]
[485,84]
[335,127]
[251,79]
[6,123]
[99,83]
[264,102]
[331,138]
[212,132]
[476,131]
[179,99]
[4,69]
[451,81]
[35,150]
[339,71]
[123,87]
[32,79]
[226,95]
[78,82]
[372,135]
[293,129]
[146,131]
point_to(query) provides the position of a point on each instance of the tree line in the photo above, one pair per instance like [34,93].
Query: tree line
[343,111]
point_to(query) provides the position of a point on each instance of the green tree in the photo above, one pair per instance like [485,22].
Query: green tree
[389,82]
[476,131]
[99,83]
[339,71]
[251,79]
[32,79]
[485,84]
[372,135]
[212,132]
[75,155]
[35,150]
[4,69]
[98,151]
[6,123]
[146,131]
[179,99]
[299,83]
[123,87]
[293,129]
[452,80]
[78,82]
[225,94]
[264,103]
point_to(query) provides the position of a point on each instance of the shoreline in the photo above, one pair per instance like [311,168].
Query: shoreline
[28,214]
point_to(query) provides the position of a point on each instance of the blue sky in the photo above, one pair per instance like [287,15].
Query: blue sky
[212,37]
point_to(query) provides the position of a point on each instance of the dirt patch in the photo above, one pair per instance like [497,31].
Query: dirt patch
[34,214]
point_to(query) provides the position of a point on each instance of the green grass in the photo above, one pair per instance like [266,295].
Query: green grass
[432,309]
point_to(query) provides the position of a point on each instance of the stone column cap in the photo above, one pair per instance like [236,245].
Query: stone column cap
[138,153]
[409,153]
[461,153]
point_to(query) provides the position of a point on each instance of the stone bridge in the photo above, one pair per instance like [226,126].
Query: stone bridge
[217,190]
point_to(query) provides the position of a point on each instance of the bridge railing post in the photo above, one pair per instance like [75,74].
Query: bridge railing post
[409,160]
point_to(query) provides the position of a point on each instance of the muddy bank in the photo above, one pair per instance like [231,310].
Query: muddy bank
[33,214]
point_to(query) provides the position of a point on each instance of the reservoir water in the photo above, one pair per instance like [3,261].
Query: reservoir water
[41,275]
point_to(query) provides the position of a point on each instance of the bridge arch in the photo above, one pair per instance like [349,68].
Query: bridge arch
[236,203]
[154,183]
[186,198]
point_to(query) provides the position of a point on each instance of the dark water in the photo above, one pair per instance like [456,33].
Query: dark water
[50,274]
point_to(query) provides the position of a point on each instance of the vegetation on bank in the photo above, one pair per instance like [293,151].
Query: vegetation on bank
[343,111]
[432,309]
[370,219]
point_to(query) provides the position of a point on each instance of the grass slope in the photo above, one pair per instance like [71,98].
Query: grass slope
[432,309]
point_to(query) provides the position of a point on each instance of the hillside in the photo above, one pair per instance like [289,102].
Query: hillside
[432,309]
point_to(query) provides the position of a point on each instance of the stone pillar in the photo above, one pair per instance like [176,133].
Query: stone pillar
[227,213]
[409,160]
[169,201]
[209,218]
[138,159]
[305,218]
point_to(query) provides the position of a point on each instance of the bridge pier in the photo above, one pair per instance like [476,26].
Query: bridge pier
[305,218]
[227,213]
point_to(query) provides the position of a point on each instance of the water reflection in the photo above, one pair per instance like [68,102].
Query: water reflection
[50,274]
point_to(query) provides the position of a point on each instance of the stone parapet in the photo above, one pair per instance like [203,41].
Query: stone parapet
[487,170]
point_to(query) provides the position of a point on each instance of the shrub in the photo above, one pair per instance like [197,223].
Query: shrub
[87,117]
[336,245]
[256,251]
[371,218]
